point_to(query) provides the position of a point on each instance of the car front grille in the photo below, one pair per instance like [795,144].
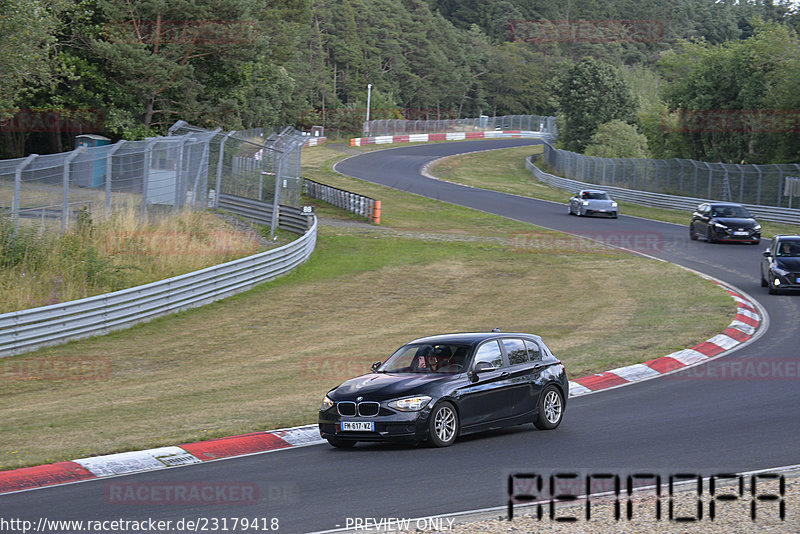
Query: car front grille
[363,409]
[368,409]
[346,408]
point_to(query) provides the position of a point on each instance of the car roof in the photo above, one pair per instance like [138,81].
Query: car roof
[470,338]
[778,237]
[716,204]
[593,191]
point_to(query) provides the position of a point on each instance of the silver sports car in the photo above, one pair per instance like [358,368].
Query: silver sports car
[592,202]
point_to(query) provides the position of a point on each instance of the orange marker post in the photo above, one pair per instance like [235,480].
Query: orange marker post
[376,212]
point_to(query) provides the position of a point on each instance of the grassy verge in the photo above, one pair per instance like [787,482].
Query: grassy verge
[511,176]
[264,359]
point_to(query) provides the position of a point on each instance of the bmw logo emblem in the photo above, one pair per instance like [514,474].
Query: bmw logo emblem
[359,399]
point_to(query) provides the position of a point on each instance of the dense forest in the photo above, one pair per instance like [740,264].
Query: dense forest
[705,79]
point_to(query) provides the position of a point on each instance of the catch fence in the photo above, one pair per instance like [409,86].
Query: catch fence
[774,185]
[538,123]
[153,175]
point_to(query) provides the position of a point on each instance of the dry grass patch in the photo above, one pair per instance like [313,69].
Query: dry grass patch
[42,267]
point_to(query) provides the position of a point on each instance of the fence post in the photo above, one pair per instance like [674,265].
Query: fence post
[177,126]
[758,193]
[741,183]
[65,187]
[276,201]
[109,172]
[148,155]
[197,197]
[17,188]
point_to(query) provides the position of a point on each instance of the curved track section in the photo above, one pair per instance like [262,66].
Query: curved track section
[704,424]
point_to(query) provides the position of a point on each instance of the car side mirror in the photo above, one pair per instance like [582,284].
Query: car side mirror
[483,367]
[768,253]
[480,367]
[376,365]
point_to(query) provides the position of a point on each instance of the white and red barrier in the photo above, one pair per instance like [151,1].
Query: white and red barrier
[314,141]
[452,136]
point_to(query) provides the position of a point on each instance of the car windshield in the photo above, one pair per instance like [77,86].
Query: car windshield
[427,358]
[789,248]
[595,195]
[737,212]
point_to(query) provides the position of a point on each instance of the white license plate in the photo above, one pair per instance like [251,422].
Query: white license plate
[797,281]
[739,233]
[357,426]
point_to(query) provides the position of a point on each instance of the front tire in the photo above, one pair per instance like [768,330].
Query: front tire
[711,236]
[692,233]
[551,409]
[341,443]
[443,425]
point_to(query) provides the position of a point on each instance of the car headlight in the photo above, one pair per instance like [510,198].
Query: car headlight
[720,226]
[613,204]
[757,228]
[327,404]
[585,202]
[410,404]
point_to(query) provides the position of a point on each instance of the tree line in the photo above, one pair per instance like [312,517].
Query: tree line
[653,78]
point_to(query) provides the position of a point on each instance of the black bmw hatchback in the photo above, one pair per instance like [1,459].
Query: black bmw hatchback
[440,387]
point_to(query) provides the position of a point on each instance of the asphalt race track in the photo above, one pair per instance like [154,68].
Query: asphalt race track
[706,425]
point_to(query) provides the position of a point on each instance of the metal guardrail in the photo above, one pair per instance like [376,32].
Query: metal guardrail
[660,200]
[352,202]
[27,330]
[289,218]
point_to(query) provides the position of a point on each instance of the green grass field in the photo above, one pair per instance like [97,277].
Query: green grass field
[264,359]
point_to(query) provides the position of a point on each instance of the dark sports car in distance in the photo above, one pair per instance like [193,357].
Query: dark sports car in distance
[780,266]
[724,221]
[593,202]
[440,387]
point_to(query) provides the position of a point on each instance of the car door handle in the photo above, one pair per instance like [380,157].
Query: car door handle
[504,374]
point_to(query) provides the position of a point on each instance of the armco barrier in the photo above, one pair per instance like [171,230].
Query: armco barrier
[352,202]
[659,200]
[27,330]
[259,212]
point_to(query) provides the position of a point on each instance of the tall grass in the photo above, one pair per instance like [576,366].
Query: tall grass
[39,267]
